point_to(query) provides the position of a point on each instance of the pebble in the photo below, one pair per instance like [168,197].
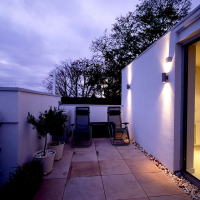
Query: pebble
[48,154]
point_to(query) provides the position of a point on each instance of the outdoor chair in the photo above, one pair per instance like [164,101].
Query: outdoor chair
[119,130]
[81,134]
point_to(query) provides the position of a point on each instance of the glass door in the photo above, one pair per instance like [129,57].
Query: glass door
[193,110]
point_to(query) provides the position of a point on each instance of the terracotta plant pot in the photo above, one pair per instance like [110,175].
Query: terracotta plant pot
[46,161]
[58,149]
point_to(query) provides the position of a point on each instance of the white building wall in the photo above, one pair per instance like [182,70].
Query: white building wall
[17,138]
[153,108]
[148,105]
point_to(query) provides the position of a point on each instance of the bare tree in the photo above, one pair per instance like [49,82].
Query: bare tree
[79,78]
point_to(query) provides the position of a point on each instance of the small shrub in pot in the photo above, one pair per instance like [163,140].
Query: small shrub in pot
[57,127]
[46,156]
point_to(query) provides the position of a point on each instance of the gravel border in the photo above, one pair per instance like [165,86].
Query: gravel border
[177,178]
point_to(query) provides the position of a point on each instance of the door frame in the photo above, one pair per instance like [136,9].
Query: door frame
[184,103]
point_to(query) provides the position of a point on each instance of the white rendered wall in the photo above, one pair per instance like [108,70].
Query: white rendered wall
[98,113]
[8,133]
[148,105]
[17,139]
[153,108]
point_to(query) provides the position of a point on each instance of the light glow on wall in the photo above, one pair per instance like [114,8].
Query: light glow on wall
[165,57]
[128,117]
[129,94]
[129,73]
[166,94]
[129,102]
[129,112]
[167,107]
[164,51]
[168,67]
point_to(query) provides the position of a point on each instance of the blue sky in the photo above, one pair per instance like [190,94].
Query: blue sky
[37,35]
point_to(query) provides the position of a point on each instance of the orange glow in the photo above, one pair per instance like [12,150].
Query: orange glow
[167,105]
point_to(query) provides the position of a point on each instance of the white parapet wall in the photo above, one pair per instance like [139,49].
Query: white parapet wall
[18,141]
[98,113]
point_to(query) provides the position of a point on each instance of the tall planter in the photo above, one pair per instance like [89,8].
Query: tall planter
[42,126]
[58,148]
[47,160]
[57,128]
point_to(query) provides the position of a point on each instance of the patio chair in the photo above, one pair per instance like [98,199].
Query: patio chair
[81,134]
[119,130]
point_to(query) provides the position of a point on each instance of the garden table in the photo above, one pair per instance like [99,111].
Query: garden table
[101,129]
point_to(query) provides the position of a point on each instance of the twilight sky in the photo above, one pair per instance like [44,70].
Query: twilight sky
[35,35]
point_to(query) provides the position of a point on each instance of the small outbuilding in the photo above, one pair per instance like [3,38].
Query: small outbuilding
[161,98]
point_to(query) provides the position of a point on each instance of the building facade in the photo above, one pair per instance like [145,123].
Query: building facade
[162,104]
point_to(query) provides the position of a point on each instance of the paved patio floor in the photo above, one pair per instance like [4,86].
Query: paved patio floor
[106,172]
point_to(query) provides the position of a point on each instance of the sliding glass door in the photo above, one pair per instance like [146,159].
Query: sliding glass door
[193,110]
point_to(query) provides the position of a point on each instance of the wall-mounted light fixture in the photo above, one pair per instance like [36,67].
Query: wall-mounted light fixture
[164,77]
[128,86]
[169,59]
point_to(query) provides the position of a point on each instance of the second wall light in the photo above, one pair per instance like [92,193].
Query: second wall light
[164,77]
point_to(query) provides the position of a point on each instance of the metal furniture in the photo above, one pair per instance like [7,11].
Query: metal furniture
[119,130]
[81,134]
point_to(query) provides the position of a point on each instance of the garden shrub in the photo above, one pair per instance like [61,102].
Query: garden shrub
[23,183]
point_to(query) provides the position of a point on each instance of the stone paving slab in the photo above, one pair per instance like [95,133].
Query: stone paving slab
[109,167]
[131,153]
[84,169]
[157,184]
[122,187]
[112,154]
[67,155]
[81,188]
[100,147]
[107,172]
[51,189]
[140,165]
[60,170]
[172,197]
[81,156]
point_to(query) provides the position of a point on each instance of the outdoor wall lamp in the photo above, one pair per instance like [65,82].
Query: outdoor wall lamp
[128,86]
[164,77]
[169,59]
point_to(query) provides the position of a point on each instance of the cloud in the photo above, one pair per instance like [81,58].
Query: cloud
[37,35]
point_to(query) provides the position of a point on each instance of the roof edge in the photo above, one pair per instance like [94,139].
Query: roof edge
[17,89]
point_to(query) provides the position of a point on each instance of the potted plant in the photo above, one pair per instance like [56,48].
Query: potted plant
[57,126]
[46,156]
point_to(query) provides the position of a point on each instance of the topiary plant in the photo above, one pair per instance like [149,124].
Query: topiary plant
[41,125]
[56,123]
